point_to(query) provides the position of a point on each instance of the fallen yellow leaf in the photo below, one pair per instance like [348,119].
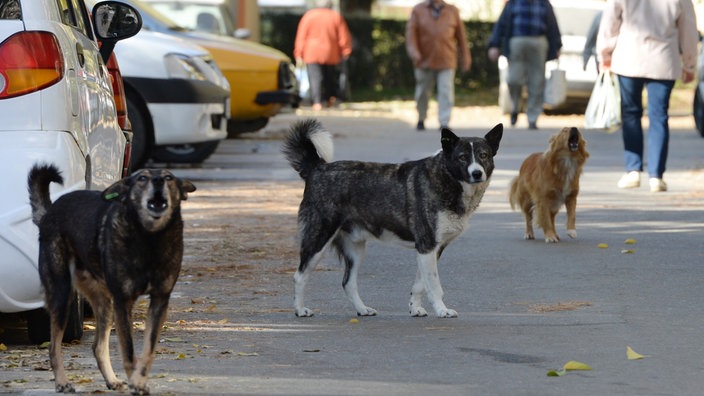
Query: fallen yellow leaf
[633,355]
[603,245]
[354,320]
[573,365]
[630,241]
[3,348]
[626,251]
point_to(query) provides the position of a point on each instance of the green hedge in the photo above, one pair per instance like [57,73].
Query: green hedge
[379,61]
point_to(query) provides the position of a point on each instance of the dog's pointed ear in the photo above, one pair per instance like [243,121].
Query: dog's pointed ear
[117,190]
[185,187]
[493,138]
[448,140]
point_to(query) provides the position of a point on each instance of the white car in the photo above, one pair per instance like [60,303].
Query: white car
[56,106]
[178,100]
[574,19]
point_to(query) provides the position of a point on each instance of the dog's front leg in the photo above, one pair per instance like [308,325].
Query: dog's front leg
[155,320]
[101,346]
[546,221]
[123,324]
[571,208]
[428,267]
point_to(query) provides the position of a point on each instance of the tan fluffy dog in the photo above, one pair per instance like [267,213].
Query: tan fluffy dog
[548,180]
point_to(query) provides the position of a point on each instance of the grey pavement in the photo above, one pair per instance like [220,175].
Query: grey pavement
[525,307]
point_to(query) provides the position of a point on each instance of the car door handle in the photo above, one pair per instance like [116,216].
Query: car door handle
[80,54]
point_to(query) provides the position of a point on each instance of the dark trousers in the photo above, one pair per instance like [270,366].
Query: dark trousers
[323,82]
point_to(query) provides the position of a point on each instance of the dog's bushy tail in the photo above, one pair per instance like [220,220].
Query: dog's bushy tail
[40,176]
[307,145]
[512,195]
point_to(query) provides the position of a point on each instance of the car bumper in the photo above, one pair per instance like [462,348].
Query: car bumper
[20,288]
[282,97]
[184,111]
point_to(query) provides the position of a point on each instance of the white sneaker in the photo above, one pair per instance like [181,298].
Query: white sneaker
[657,185]
[630,180]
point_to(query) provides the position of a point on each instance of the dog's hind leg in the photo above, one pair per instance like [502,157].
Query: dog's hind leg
[315,239]
[352,252]
[58,294]
[415,306]
[527,208]
[428,268]
[571,208]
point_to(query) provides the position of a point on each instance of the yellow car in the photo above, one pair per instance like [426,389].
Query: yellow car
[261,78]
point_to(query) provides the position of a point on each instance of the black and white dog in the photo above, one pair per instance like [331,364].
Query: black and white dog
[424,203]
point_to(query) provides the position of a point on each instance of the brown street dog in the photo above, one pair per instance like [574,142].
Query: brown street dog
[112,246]
[548,180]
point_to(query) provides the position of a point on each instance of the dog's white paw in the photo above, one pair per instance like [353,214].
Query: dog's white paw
[552,239]
[120,386]
[528,236]
[304,312]
[418,312]
[572,233]
[447,313]
[367,312]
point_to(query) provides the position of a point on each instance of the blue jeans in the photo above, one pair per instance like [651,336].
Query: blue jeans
[659,132]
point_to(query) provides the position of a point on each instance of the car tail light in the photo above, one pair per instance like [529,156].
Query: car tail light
[29,61]
[118,90]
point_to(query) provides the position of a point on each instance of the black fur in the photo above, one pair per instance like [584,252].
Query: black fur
[409,200]
[113,246]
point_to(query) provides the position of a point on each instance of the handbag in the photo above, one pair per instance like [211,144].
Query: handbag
[555,92]
[604,107]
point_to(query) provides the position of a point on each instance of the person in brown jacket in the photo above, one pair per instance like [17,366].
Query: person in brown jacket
[434,36]
[323,40]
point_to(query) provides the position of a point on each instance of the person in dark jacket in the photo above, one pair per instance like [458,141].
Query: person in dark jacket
[528,35]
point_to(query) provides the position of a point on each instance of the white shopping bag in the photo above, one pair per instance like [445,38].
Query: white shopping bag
[555,92]
[303,83]
[604,108]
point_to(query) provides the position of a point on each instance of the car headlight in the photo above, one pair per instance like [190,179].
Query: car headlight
[182,66]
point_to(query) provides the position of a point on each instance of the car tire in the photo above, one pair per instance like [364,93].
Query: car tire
[39,328]
[141,131]
[698,111]
[185,153]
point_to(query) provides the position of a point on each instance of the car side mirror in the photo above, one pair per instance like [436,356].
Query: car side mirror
[114,21]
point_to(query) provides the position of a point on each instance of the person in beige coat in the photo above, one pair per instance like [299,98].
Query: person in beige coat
[435,35]
[647,44]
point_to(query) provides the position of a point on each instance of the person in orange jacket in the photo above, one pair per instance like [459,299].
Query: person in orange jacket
[322,42]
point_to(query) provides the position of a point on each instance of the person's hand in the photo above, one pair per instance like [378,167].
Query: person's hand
[494,54]
[687,77]
[299,61]
[605,65]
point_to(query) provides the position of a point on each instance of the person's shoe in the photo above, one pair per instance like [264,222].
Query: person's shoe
[532,125]
[514,118]
[657,185]
[420,126]
[630,180]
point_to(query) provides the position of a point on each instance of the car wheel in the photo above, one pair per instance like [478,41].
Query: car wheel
[698,111]
[185,153]
[141,135]
[39,328]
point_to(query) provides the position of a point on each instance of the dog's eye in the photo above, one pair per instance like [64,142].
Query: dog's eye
[141,178]
[168,177]
[483,155]
[462,157]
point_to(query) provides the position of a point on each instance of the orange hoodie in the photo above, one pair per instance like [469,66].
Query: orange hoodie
[322,37]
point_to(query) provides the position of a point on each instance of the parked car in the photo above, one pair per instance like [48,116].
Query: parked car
[574,19]
[177,98]
[56,106]
[262,78]
[209,16]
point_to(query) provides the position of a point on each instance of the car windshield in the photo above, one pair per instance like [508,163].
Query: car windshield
[10,9]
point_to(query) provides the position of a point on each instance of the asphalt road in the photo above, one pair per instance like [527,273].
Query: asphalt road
[525,307]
